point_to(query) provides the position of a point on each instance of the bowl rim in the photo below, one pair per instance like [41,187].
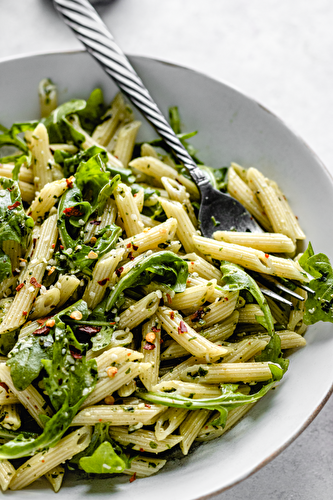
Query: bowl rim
[329,174]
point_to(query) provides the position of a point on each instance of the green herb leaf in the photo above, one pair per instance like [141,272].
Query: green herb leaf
[59,128]
[91,115]
[103,461]
[318,306]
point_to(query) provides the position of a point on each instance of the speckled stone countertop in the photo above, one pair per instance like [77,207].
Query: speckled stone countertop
[278,52]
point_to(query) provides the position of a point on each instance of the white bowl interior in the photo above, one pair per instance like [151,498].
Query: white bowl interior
[231,127]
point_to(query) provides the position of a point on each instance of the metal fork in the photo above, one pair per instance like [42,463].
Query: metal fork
[215,206]
[89,28]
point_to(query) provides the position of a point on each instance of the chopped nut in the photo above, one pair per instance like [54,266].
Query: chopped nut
[92,255]
[150,337]
[109,400]
[76,315]
[93,240]
[50,323]
[51,271]
[111,372]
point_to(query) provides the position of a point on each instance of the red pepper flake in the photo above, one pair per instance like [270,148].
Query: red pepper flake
[154,329]
[100,420]
[182,328]
[147,406]
[172,315]
[95,222]
[69,182]
[161,341]
[226,298]
[44,330]
[35,283]
[53,245]
[72,211]
[103,282]
[119,271]
[148,346]
[132,478]
[21,285]
[130,256]
[5,386]
[75,352]
[24,313]
[112,323]
[135,247]
[14,205]
[128,245]
[91,330]
[61,247]
[43,458]
[168,296]
[192,263]
[197,316]
[266,255]
[141,449]
[10,189]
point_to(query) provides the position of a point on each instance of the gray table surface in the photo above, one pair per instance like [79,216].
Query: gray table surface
[277,51]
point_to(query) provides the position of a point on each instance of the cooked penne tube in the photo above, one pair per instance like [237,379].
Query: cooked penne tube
[103,132]
[150,347]
[10,417]
[144,467]
[251,258]
[126,141]
[117,414]
[177,192]
[140,311]
[267,242]
[43,462]
[204,269]
[30,398]
[185,228]
[227,372]
[45,304]
[157,169]
[248,313]
[189,389]
[209,432]
[192,298]
[190,428]
[42,162]
[289,213]
[55,477]
[150,238]
[239,189]
[107,385]
[48,197]
[68,284]
[22,303]
[7,472]
[271,203]
[139,198]
[25,175]
[128,210]
[215,312]
[244,350]
[143,440]
[169,421]
[102,274]
[188,338]
[48,98]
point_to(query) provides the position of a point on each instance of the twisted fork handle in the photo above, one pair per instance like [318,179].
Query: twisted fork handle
[89,28]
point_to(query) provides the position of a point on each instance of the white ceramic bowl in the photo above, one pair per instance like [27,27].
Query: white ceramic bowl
[231,127]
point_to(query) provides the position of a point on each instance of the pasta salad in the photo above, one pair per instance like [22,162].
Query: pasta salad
[124,333]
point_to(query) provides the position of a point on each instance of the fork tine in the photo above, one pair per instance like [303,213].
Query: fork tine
[275,296]
[304,287]
[270,280]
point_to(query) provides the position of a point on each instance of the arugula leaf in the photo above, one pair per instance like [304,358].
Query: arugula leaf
[272,353]
[228,400]
[237,279]
[90,178]
[98,453]
[78,379]
[14,223]
[25,360]
[102,339]
[53,432]
[5,266]
[318,306]
[71,162]
[91,115]
[104,460]
[59,128]
[171,268]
